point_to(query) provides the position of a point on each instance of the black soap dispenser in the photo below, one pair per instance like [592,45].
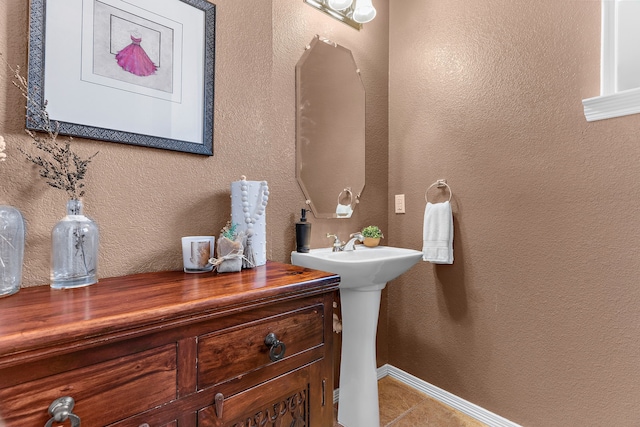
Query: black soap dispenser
[303,233]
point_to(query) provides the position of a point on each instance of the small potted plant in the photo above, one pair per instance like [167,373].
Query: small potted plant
[372,236]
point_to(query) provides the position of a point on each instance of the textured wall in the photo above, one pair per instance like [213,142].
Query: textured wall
[295,25]
[145,199]
[537,320]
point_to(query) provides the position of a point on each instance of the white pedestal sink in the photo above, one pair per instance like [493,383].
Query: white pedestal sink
[363,274]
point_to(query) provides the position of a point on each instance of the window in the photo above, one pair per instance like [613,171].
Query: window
[620,62]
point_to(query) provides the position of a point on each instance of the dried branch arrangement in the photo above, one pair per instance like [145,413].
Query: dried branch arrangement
[58,164]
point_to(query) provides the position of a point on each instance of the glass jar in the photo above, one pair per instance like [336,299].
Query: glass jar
[74,249]
[11,250]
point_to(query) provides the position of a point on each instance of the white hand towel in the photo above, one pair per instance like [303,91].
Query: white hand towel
[344,211]
[438,233]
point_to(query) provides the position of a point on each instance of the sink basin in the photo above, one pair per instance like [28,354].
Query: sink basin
[367,268]
[363,274]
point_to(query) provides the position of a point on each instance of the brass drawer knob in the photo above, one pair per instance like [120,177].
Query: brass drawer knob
[61,410]
[276,347]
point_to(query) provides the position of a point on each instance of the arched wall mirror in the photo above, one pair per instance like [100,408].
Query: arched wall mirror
[330,129]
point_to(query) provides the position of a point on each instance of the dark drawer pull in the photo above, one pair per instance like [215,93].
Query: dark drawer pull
[61,410]
[219,400]
[276,347]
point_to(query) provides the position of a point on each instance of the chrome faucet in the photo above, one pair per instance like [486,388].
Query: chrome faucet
[351,244]
[337,244]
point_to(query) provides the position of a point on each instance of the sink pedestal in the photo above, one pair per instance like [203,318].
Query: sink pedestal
[358,400]
[363,275]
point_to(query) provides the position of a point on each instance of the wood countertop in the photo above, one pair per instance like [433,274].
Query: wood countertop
[40,319]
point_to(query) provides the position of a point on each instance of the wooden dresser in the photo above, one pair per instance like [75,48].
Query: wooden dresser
[172,349]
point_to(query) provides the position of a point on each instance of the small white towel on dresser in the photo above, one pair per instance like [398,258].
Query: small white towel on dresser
[437,245]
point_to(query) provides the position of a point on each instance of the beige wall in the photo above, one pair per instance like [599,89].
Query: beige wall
[145,199]
[294,26]
[537,319]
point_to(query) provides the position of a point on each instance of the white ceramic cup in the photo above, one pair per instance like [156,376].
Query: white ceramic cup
[196,252]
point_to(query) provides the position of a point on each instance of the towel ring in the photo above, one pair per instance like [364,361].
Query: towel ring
[349,193]
[439,183]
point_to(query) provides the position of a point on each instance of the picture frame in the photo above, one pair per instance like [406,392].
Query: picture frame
[137,72]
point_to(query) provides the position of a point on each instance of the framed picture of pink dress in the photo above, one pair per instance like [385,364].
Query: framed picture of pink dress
[137,72]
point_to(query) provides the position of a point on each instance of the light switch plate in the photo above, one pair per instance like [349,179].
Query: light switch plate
[400,204]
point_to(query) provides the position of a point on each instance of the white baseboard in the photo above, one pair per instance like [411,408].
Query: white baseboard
[466,407]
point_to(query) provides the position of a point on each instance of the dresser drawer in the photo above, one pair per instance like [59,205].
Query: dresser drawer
[283,401]
[103,393]
[236,351]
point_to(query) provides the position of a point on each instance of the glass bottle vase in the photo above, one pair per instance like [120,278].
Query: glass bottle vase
[11,250]
[74,249]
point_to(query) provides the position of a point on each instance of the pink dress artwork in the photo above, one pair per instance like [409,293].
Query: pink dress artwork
[135,60]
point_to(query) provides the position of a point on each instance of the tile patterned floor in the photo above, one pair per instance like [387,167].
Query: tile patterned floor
[403,406]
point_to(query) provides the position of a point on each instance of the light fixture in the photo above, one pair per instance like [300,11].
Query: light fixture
[339,4]
[351,12]
[363,11]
